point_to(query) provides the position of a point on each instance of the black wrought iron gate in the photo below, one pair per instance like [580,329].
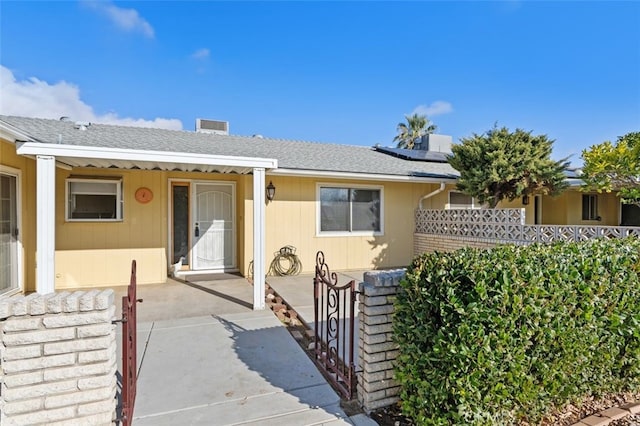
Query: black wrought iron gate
[334,328]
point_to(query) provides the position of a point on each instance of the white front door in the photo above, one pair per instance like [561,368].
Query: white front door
[213,226]
[9,263]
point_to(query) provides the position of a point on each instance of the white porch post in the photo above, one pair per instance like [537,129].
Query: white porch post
[45,223]
[259,270]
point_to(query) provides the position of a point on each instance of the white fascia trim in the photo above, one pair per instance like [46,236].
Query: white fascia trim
[358,176]
[74,151]
[59,165]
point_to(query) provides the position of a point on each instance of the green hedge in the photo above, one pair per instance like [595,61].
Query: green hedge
[497,336]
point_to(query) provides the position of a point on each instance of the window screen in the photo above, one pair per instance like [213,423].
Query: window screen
[94,200]
[349,209]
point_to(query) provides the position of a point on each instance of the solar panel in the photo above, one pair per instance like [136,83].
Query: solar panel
[414,154]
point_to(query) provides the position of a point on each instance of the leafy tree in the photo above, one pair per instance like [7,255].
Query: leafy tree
[499,165]
[411,131]
[614,167]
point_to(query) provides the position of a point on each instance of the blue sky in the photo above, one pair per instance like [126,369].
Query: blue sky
[342,72]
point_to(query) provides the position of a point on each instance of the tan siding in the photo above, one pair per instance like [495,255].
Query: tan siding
[109,267]
[291,219]
[143,230]
[143,225]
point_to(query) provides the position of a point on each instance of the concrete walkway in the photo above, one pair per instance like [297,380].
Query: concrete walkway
[298,290]
[206,358]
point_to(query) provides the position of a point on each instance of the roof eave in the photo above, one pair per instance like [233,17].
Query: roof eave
[12,134]
[362,176]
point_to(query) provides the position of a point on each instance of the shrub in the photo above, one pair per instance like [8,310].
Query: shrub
[498,336]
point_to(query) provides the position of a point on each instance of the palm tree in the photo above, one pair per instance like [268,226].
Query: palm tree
[416,127]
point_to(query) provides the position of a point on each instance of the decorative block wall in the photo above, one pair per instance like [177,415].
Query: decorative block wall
[58,359]
[446,230]
[376,349]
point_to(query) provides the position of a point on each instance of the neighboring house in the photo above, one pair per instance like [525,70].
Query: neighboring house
[101,195]
[575,207]
[572,207]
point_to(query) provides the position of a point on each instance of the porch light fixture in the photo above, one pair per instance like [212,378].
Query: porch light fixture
[525,199]
[271,191]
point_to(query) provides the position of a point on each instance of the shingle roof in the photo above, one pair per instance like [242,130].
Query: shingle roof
[294,155]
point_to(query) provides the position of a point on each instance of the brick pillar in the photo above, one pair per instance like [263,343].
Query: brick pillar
[58,359]
[376,349]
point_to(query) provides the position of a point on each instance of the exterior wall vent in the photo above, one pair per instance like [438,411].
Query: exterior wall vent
[212,126]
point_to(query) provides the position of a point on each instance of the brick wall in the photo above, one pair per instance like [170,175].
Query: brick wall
[376,349]
[427,243]
[58,359]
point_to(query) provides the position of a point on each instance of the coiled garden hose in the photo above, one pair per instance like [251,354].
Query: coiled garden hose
[285,262]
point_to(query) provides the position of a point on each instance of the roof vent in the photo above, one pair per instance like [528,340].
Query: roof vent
[82,125]
[212,126]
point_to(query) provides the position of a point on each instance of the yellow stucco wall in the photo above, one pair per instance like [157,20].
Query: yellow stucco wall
[566,209]
[291,219]
[27,238]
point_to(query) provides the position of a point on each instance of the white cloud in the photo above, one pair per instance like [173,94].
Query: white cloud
[201,54]
[37,98]
[436,108]
[126,19]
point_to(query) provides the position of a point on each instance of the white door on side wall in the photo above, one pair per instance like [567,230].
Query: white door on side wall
[213,226]
[8,233]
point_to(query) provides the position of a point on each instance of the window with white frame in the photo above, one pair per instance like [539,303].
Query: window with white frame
[350,210]
[590,207]
[94,199]
[458,200]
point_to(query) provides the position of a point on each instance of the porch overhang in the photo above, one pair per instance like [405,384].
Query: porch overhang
[49,156]
[89,156]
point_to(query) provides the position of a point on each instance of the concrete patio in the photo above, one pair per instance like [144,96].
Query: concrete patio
[205,357]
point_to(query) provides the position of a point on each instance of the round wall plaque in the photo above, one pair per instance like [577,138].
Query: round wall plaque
[144,195]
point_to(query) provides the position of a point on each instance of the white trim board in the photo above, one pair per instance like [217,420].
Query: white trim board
[74,151]
[10,171]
